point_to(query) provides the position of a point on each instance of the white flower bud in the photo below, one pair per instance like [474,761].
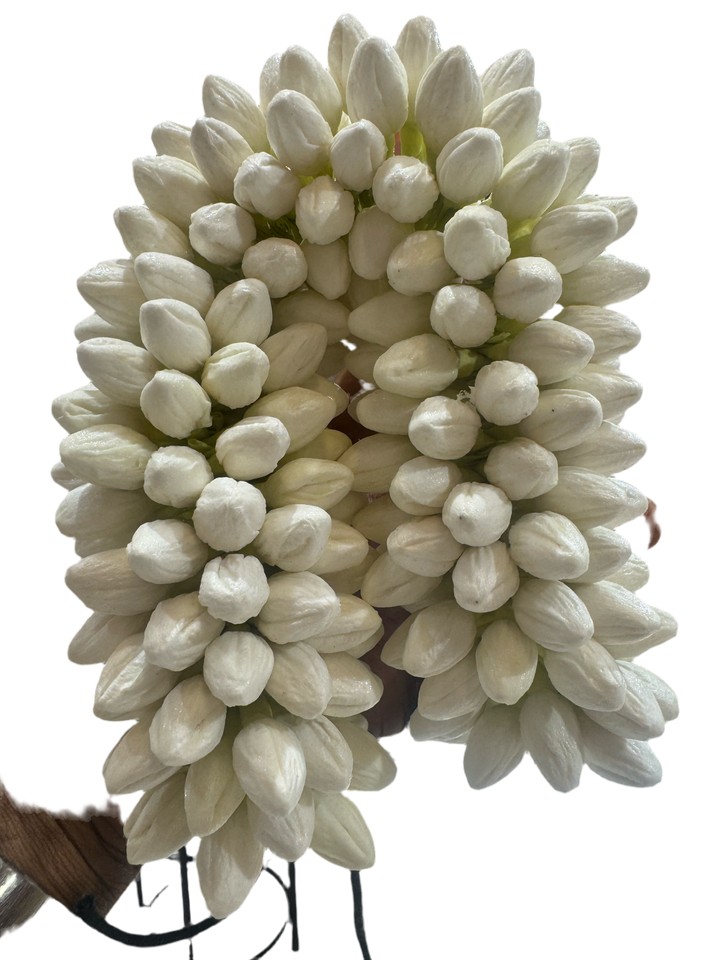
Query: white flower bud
[456,730]
[361,289]
[299,70]
[418,367]
[640,717]
[349,506]
[470,165]
[385,412]
[178,632]
[612,333]
[328,757]
[212,791]
[449,98]
[444,429]
[551,614]
[505,392]
[88,407]
[418,264]
[176,404]
[299,606]
[226,101]
[294,355]
[629,762]
[166,551]
[324,212]
[526,288]
[551,733]
[293,537]
[172,278]
[422,485]
[309,306]
[608,552]
[355,688]
[463,314]
[270,766]
[305,413]
[279,263]
[252,448]
[532,180]
[321,483]
[552,350]
[235,374]
[112,290]
[615,391]
[377,87]
[299,134]
[604,280]
[424,545]
[131,765]
[300,681]
[219,151]
[521,468]
[494,747]
[591,500]
[229,862]
[587,676]
[346,35]
[562,419]
[476,243]
[571,237]
[373,767]
[264,185]
[387,584]
[548,546]
[666,697]
[172,139]
[341,835]
[375,460]
[485,578]
[172,187]
[372,240]
[417,46]
[143,230]
[101,634]
[514,117]
[176,334]
[157,826]
[234,588]
[328,266]
[237,666]
[361,361]
[633,575]
[506,661]
[377,519]
[229,514]
[188,725]
[105,583]
[118,368]
[129,682]
[453,693]
[241,313]
[405,188]
[623,208]
[327,388]
[618,614]
[95,326]
[357,622]
[287,837]
[95,512]
[584,158]
[356,153]
[440,636]
[512,72]
[108,455]
[222,232]
[476,513]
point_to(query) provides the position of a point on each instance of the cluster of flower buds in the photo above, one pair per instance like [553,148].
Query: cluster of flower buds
[400,217]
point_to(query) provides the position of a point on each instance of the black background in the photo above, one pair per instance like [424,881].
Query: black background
[471,869]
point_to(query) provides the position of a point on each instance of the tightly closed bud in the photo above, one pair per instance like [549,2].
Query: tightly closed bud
[532,180]
[341,835]
[386,412]
[176,404]
[176,334]
[106,583]
[112,290]
[612,333]
[449,98]
[118,368]
[229,514]
[373,767]
[623,208]
[307,306]
[270,766]
[494,747]
[571,237]
[89,512]
[618,614]
[387,584]
[456,730]
[361,361]
[131,765]
[548,546]
[552,350]
[615,391]
[608,552]
[485,578]
[551,733]
[443,428]
[219,151]
[108,455]
[235,374]
[405,188]
[417,46]
[629,762]
[172,187]
[299,134]
[279,263]
[418,264]
[344,550]
[512,72]
[222,232]
[234,588]
[293,537]
[521,468]
[166,551]
[287,837]
[229,862]
[264,185]
[300,681]
[514,117]
[375,460]
[329,268]
[94,326]
[327,755]
[164,277]
[299,70]
[425,546]
[356,623]
[584,157]
[241,313]
[505,392]
[463,314]
[640,717]
[470,165]
[346,35]
[212,791]
[178,632]
[591,500]
[551,614]
[440,636]
[324,212]
[476,513]
[587,676]
[129,682]
[157,826]
[633,575]
[377,87]
[226,101]
[188,725]
[563,419]
[252,448]
[377,519]
[418,367]
[373,238]
[305,413]
[391,317]
[143,230]
[294,355]
[328,445]
[237,666]
[299,606]
[355,688]
[356,153]
[422,485]
[525,288]
[322,483]
[452,694]
[604,280]
[665,696]
[506,661]
[476,241]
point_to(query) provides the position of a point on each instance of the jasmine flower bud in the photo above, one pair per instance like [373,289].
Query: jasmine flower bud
[221,233]
[494,747]
[298,606]
[106,583]
[109,455]
[476,242]
[229,514]
[385,412]
[552,350]
[417,367]
[387,584]
[131,765]
[449,98]
[294,355]
[266,186]
[212,791]
[612,333]
[120,369]
[525,288]
[531,180]
[176,334]
[329,268]
[608,552]
[591,500]
[548,546]
[344,549]
[299,70]
[506,661]
[241,313]
[165,277]
[522,468]
[324,212]
[235,375]
[377,519]
[300,680]
[176,476]
[640,717]
[279,263]
[328,757]
[452,694]
[305,413]
[551,614]
[234,588]
[377,87]
[298,133]
[356,153]
[616,392]
[618,614]
[224,100]
[172,187]
[356,623]
[624,209]
[90,511]
[441,636]
[371,241]
[630,762]
[604,280]
[443,428]
[229,863]
[469,165]
[309,306]
[252,448]
[512,72]
[418,264]
[463,314]
[424,545]
[611,449]
[129,682]
[405,188]
[505,392]
[175,403]
[417,46]
[514,117]
[422,485]
[270,766]
[293,537]
[572,236]
[587,676]
[112,290]
[484,578]
[322,483]
[476,513]
[563,419]
[551,733]
[355,688]
[341,835]
[166,551]
[237,666]
[584,157]
[143,230]
[218,150]
[178,632]
[375,460]
[188,725]
[346,35]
